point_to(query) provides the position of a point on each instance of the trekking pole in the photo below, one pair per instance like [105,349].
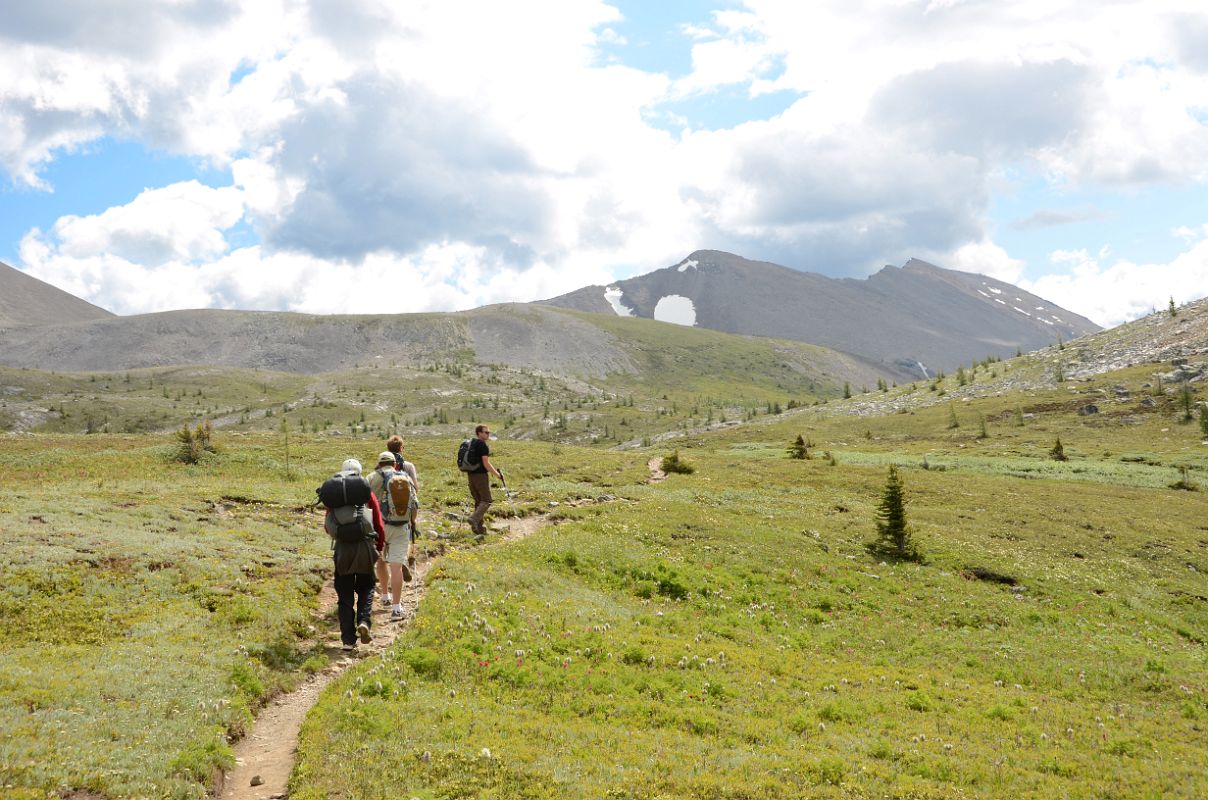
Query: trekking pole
[506,491]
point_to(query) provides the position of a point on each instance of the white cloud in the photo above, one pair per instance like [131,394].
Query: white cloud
[168,249]
[986,258]
[1123,290]
[483,161]
[183,222]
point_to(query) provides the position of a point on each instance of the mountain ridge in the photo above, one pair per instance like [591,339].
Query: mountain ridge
[29,301]
[914,320]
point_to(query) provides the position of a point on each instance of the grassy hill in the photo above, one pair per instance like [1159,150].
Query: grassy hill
[673,379]
[722,634]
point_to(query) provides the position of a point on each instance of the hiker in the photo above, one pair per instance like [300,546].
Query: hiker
[395,445]
[357,542]
[478,469]
[399,513]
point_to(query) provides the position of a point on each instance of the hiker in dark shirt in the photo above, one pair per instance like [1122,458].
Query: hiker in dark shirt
[354,571]
[479,478]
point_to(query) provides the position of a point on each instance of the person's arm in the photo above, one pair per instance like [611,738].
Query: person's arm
[378,527]
[409,468]
[486,462]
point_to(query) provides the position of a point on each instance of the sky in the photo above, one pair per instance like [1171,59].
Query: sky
[389,156]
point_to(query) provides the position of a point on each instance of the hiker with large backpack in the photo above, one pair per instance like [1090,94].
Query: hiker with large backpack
[354,523]
[395,445]
[396,495]
[474,459]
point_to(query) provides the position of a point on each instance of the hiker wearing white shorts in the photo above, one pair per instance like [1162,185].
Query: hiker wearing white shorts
[393,567]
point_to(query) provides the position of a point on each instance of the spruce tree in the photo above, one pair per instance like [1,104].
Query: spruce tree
[893,534]
[1187,401]
[799,450]
[1058,452]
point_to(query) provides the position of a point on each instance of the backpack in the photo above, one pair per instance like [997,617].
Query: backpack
[344,489]
[463,458]
[349,524]
[345,495]
[397,495]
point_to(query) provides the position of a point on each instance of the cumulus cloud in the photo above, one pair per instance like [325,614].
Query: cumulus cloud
[169,248]
[485,161]
[1115,293]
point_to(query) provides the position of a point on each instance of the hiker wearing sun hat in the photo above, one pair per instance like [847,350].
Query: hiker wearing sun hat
[354,523]
[396,494]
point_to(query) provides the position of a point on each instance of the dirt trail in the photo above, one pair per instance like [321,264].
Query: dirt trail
[266,755]
[655,465]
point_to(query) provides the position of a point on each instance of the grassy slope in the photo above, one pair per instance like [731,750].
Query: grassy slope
[726,635]
[146,607]
[840,675]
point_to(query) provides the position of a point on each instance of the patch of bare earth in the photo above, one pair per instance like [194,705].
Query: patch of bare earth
[655,465]
[265,757]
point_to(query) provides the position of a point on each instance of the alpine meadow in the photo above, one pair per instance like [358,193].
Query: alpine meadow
[723,567]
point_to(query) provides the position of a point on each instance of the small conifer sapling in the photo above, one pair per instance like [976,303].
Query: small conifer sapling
[799,449]
[893,534]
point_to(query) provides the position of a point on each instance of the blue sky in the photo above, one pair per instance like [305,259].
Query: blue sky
[260,157]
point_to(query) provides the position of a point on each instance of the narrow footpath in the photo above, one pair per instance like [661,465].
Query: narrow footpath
[265,757]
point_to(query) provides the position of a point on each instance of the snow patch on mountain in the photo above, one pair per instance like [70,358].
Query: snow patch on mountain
[692,262]
[613,295]
[675,308]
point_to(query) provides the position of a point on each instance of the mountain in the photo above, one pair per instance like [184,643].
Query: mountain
[914,321]
[522,336]
[25,300]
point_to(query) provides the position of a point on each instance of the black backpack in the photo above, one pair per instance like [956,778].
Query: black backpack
[344,489]
[345,495]
[463,458]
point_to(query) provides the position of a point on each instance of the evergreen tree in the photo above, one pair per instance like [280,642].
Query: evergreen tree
[953,422]
[893,535]
[982,434]
[1187,401]
[1171,308]
[1204,421]
[1058,452]
[799,449]
[846,390]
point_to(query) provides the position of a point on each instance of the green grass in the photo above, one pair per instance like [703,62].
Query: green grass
[720,634]
[726,636]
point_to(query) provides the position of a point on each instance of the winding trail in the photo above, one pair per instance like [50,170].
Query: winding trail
[264,757]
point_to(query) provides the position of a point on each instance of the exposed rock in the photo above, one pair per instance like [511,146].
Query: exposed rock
[1088,409]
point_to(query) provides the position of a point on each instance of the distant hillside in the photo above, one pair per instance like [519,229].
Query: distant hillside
[914,321]
[1174,348]
[25,300]
[556,341]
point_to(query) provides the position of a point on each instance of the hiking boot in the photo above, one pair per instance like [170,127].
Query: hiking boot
[348,647]
[363,632]
[386,600]
[406,573]
[397,614]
